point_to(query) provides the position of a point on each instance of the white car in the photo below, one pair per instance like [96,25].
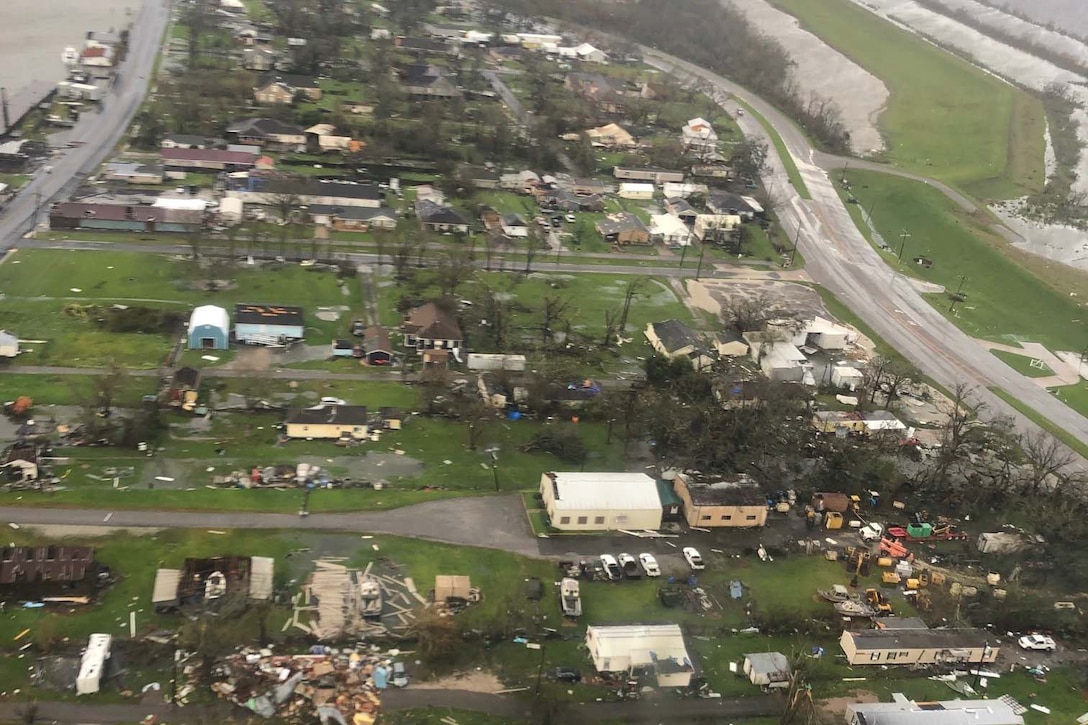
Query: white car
[611,567]
[1037,642]
[571,218]
[333,401]
[649,564]
[694,558]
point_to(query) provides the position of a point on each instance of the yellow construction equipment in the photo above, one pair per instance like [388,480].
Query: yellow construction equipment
[833,520]
[878,601]
[890,577]
[885,561]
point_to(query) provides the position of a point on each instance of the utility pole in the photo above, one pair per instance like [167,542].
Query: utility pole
[958,294]
[495,469]
[684,252]
[796,239]
[869,215]
[842,179]
[903,237]
[702,253]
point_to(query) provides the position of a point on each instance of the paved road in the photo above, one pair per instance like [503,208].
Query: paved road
[841,259]
[651,711]
[100,132]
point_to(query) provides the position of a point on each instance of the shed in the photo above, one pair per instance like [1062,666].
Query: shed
[209,328]
[654,648]
[670,502]
[378,349]
[767,669]
[636,190]
[9,344]
[392,418]
[164,594]
[343,348]
[448,587]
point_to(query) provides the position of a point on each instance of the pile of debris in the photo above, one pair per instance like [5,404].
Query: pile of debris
[336,685]
[343,602]
[286,475]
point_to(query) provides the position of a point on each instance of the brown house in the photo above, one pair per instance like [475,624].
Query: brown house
[429,327]
[720,502]
[623,228]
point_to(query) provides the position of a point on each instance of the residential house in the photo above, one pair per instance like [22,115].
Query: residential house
[623,228]
[133,173]
[769,670]
[323,138]
[647,173]
[674,340]
[611,136]
[268,324]
[186,141]
[428,82]
[427,192]
[846,377]
[429,327]
[604,93]
[724,202]
[391,418]
[779,360]
[914,647]
[329,422]
[717,502]
[209,328]
[124,218]
[488,361]
[534,41]
[730,343]
[491,219]
[441,218]
[259,58]
[267,133]
[584,52]
[352,218]
[699,137]
[715,228]
[481,177]
[342,348]
[559,200]
[636,190]
[904,711]
[601,501]
[178,159]
[820,333]
[96,55]
[283,88]
[589,187]
[308,192]
[681,209]
[377,349]
[669,230]
[30,572]
[523,182]
[683,189]
[655,650]
[868,422]
[515,226]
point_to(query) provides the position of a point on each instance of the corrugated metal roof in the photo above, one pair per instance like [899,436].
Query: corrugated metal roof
[622,491]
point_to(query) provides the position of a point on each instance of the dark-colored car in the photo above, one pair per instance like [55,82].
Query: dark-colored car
[358,328]
[567,674]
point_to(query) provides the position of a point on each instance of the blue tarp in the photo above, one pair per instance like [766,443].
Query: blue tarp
[381,677]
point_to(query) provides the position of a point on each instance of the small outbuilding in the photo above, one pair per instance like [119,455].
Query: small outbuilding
[656,650]
[209,328]
[9,344]
[267,324]
[769,670]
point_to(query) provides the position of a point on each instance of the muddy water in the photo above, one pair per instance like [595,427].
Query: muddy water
[1069,15]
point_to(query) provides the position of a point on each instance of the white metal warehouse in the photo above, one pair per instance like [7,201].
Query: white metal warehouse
[601,501]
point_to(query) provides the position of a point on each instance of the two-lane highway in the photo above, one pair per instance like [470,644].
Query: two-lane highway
[98,132]
[841,259]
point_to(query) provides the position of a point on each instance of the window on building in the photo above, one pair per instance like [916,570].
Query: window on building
[564,519]
[598,519]
[904,654]
[874,657]
[891,656]
[727,517]
[583,519]
[705,518]
[749,518]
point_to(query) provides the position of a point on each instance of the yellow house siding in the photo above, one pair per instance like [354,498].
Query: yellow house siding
[299,430]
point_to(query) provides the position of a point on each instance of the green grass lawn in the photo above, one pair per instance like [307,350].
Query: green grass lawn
[46,390]
[38,284]
[945,118]
[1043,422]
[1075,396]
[1005,300]
[1022,364]
[780,146]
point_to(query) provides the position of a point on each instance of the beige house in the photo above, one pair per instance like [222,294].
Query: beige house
[654,649]
[329,422]
[601,501]
[918,647]
[674,339]
[611,135]
[729,343]
[715,227]
[721,503]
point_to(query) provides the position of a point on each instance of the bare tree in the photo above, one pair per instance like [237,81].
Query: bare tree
[634,287]
[1046,459]
[287,206]
[611,318]
[454,268]
[874,375]
[554,312]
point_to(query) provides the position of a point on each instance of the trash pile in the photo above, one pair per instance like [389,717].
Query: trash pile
[336,685]
[286,475]
[344,602]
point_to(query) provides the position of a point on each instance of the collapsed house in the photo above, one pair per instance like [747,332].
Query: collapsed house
[209,581]
[50,574]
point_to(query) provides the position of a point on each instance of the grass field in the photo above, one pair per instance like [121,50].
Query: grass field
[1075,396]
[38,284]
[1011,296]
[945,118]
[1043,422]
[1022,364]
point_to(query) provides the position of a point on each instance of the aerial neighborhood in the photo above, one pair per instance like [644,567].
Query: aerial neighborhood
[482,363]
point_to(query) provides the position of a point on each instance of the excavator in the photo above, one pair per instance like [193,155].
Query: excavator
[878,601]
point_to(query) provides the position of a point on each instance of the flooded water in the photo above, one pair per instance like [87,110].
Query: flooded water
[34,33]
[1068,15]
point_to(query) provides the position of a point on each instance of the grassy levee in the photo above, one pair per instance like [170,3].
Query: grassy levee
[1011,295]
[945,118]
[1042,421]
[783,153]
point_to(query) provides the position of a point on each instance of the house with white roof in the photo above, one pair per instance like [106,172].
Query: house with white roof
[699,137]
[601,501]
[653,649]
[583,52]
[636,190]
[669,230]
[904,711]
